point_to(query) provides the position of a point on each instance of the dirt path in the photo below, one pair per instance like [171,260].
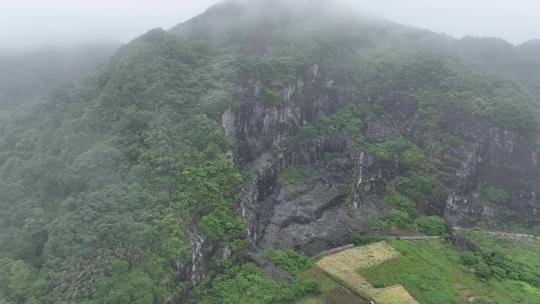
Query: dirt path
[505,234]
[389,237]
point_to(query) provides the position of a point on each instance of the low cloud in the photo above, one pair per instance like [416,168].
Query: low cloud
[30,23]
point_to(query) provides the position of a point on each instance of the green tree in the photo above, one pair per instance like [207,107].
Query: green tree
[20,281]
[432,225]
[126,286]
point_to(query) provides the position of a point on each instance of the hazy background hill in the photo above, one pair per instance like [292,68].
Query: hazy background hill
[27,75]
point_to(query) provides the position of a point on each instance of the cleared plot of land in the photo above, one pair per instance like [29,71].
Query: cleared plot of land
[339,295]
[331,291]
[343,267]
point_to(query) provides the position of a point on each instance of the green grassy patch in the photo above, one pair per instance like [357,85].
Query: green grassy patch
[526,251]
[431,271]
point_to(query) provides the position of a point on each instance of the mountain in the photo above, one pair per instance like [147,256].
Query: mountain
[26,76]
[201,162]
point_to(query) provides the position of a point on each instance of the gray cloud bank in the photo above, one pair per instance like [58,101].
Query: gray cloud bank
[26,24]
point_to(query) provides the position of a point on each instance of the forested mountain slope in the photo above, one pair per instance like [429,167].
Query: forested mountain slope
[168,174]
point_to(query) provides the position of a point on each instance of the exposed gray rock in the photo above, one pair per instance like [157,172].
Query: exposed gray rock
[318,214]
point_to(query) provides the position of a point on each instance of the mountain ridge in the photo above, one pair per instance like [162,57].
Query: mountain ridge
[172,174]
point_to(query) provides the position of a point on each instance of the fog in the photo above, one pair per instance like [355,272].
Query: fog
[27,24]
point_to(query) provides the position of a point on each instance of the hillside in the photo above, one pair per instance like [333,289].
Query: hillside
[189,168]
[452,279]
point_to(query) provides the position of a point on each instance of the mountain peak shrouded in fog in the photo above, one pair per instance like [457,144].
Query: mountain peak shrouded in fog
[531,43]
[27,24]
[258,20]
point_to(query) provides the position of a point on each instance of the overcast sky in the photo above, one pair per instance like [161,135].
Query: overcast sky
[29,23]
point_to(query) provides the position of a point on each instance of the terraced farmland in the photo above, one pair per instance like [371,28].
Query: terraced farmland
[332,292]
[343,267]
[433,273]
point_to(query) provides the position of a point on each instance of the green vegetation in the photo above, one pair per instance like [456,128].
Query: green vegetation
[417,187]
[331,292]
[360,240]
[400,151]
[523,251]
[432,272]
[496,264]
[125,286]
[400,202]
[248,284]
[342,266]
[495,195]
[411,160]
[443,86]
[305,134]
[295,175]
[404,192]
[394,219]
[345,120]
[100,184]
[109,186]
[290,260]
[432,225]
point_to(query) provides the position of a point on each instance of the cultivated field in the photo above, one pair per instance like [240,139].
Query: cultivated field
[332,292]
[432,272]
[343,267]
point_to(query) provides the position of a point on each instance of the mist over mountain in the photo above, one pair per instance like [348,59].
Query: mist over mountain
[208,162]
[26,75]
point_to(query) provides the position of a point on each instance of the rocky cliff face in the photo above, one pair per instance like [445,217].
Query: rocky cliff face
[343,188]
[494,156]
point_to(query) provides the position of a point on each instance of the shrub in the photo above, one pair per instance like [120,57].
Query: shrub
[351,211]
[305,134]
[359,240]
[413,158]
[295,175]
[397,218]
[249,284]
[400,202]
[328,156]
[390,150]
[498,272]
[290,260]
[431,225]
[401,150]
[382,225]
[483,271]
[469,258]
[417,187]
[348,120]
